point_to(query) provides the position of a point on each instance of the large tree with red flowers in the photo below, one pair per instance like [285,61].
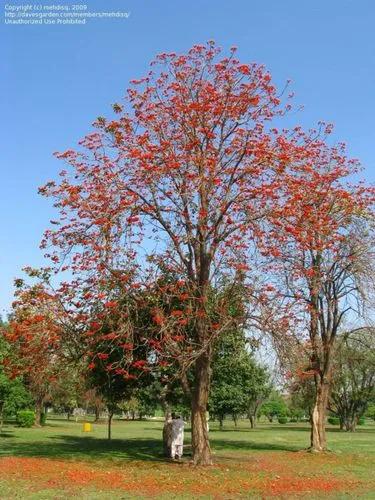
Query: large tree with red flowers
[181,182]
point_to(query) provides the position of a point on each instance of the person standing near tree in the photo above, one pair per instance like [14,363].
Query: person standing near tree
[167,435]
[177,445]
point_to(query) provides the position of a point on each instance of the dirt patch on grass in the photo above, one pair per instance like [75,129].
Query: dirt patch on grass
[280,475]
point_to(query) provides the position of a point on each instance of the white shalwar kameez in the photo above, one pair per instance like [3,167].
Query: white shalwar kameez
[177,445]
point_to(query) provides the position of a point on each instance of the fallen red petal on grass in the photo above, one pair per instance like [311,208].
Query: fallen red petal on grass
[271,475]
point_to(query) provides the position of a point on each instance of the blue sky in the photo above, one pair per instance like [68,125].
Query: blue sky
[58,79]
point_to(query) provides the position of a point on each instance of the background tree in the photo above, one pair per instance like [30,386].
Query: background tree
[131,406]
[35,336]
[320,246]
[274,406]
[258,390]
[226,399]
[114,390]
[68,391]
[301,397]
[90,399]
[370,412]
[354,384]
[238,383]
[13,393]
[148,402]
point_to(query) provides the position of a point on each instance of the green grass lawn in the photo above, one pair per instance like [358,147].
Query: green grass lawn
[259,459]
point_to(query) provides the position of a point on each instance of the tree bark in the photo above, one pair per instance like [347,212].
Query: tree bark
[110,416]
[1,417]
[318,426]
[167,428]
[38,413]
[221,421]
[97,414]
[252,421]
[341,424]
[199,433]
[167,434]
[351,423]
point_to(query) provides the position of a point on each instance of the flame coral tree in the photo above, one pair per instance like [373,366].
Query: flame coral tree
[180,179]
[35,336]
[320,242]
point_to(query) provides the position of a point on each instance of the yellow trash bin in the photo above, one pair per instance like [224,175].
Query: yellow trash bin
[86,427]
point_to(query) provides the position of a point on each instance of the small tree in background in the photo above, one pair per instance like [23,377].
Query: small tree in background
[239,384]
[301,397]
[13,393]
[68,391]
[91,399]
[274,406]
[114,390]
[354,384]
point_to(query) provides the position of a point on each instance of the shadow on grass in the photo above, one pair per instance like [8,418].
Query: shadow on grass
[307,429]
[7,434]
[248,430]
[142,449]
[65,447]
[282,428]
[149,449]
[223,445]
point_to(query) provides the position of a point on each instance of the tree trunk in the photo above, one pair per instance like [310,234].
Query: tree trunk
[110,415]
[1,417]
[341,424]
[235,420]
[221,420]
[38,413]
[199,433]
[351,423]
[252,421]
[97,414]
[167,428]
[167,434]
[318,427]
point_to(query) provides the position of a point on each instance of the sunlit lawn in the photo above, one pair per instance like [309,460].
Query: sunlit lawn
[60,461]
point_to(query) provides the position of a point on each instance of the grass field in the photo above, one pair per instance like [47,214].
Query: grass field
[59,461]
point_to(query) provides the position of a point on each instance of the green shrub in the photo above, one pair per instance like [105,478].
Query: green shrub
[361,421]
[282,420]
[25,418]
[43,418]
[334,420]
[294,420]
